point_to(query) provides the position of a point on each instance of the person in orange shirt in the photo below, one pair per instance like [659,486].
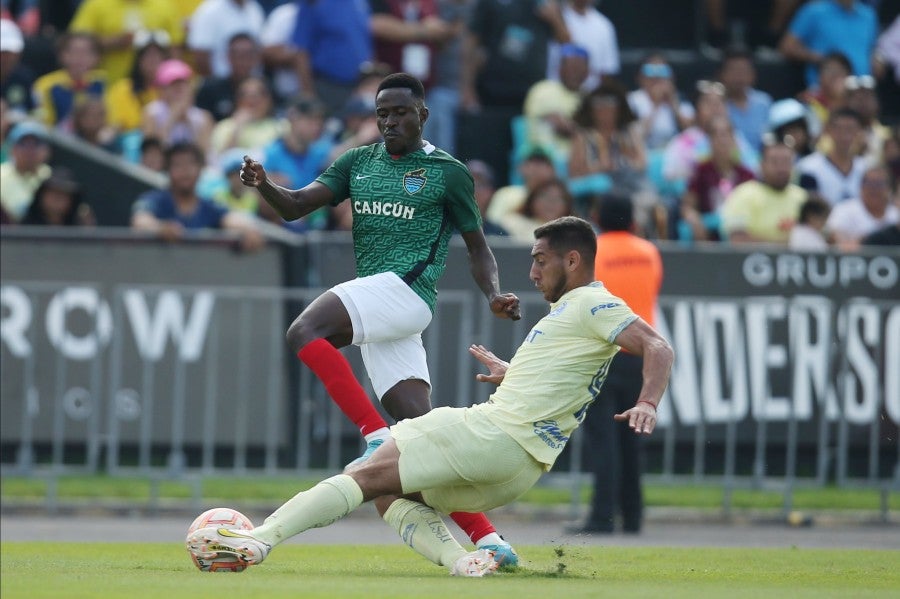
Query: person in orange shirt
[631,269]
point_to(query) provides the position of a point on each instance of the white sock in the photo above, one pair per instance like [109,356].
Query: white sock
[490,539]
[424,531]
[327,502]
[384,433]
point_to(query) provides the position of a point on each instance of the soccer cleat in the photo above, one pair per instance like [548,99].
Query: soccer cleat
[504,555]
[475,563]
[371,446]
[207,543]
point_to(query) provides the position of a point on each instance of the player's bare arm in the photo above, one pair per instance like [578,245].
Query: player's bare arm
[289,204]
[496,367]
[483,267]
[640,339]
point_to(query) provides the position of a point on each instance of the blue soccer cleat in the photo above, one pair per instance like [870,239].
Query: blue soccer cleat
[371,446]
[504,555]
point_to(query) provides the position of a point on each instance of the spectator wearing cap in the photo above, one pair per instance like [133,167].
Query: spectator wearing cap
[551,105]
[127,97]
[661,113]
[252,125]
[58,202]
[26,169]
[118,23]
[333,41]
[174,118]
[171,213]
[788,118]
[846,26]
[836,175]
[218,95]
[748,107]
[592,30]
[56,93]
[212,27]
[483,176]
[16,79]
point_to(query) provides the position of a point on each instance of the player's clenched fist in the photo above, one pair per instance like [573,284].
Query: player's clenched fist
[506,305]
[252,172]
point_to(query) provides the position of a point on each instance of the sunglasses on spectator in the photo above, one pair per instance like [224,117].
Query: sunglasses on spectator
[853,82]
[145,37]
[771,139]
[710,87]
[653,69]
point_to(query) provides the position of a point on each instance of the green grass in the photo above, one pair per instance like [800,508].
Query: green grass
[151,571]
[277,489]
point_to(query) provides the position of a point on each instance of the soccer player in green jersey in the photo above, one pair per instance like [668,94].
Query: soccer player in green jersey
[438,462]
[407,197]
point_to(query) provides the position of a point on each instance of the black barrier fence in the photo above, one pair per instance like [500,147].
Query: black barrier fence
[121,353]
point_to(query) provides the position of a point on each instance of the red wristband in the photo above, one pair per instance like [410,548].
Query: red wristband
[649,403]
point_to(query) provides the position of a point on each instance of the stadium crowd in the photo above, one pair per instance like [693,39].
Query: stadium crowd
[189,87]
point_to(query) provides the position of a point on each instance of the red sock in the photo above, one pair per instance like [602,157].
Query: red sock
[474,525]
[335,373]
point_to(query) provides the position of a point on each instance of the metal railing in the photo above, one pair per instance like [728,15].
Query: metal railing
[174,382]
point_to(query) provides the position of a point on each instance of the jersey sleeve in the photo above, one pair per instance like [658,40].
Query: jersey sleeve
[337,176]
[605,316]
[460,193]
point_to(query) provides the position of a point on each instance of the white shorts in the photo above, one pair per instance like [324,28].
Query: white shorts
[461,461]
[388,319]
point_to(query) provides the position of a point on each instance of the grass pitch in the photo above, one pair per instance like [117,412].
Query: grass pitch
[153,571]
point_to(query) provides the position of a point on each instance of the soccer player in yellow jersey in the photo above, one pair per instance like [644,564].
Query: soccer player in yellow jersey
[437,463]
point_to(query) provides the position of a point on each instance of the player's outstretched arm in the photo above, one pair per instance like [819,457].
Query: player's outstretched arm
[496,367]
[483,267]
[290,205]
[640,339]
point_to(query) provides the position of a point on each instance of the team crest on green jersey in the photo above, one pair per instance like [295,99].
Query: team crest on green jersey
[414,181]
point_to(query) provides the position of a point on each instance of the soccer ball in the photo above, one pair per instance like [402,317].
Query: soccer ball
[223,517]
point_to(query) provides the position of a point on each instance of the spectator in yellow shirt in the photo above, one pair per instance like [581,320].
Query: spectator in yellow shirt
[117,22]
[127,97]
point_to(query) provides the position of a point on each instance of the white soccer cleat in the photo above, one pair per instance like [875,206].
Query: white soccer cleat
[475,563]
[209,542]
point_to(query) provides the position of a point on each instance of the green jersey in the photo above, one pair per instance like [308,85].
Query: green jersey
[404,211]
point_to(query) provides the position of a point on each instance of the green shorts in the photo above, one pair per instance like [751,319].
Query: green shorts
[461,462]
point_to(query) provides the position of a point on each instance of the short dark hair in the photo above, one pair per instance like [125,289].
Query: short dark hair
[735,53]
[403,81]
[185,147]
[813,206]
[615,213]
[152,142]
[839,58]
[570,233]
[844,112]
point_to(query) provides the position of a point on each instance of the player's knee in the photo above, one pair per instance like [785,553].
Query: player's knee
[407,399]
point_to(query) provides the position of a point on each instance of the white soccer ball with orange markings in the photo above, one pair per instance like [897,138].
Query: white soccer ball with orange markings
[222,517]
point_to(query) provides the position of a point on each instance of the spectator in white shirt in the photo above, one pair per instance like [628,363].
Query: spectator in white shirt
[853,219]
[591,30]
[213,24]
[836,175]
